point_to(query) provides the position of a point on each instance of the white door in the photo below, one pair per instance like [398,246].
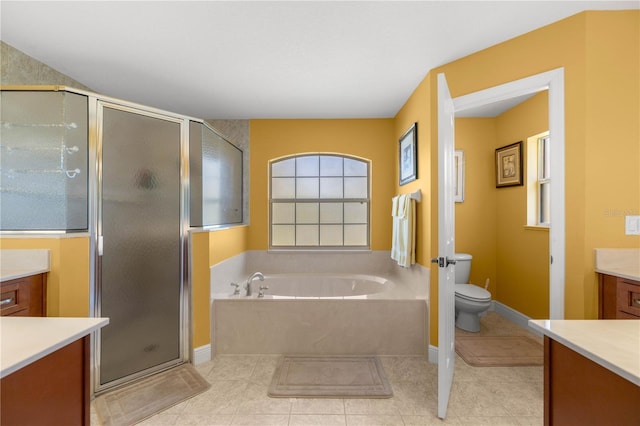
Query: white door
[446,246]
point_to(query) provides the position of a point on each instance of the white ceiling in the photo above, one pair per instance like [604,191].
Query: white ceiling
[263,59]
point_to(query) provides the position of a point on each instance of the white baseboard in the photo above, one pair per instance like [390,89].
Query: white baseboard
[432,355]
[201,354]
[512,315]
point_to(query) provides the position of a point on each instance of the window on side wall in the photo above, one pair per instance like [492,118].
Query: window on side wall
[319,201]
[539,180]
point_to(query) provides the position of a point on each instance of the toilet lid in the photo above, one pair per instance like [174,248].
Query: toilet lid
[472,292]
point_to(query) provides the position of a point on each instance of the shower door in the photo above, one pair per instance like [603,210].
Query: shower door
[140,244]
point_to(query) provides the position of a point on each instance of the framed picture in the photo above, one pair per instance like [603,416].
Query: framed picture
[409,155]
[509,165]
[458,170]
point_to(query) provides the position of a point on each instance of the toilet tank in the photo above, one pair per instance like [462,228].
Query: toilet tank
[463,267]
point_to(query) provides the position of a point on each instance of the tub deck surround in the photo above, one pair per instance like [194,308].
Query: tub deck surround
[623,263]
[321,304]
[323,286]
[320,327]
[412,283]
[22,263]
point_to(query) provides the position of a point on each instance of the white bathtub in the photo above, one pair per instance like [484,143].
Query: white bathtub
[322,286]
[321,313]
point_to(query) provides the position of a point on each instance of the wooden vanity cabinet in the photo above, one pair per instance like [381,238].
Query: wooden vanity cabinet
[26,296]
[619,298]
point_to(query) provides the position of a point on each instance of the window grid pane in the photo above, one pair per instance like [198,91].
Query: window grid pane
[544,181]
[319,201]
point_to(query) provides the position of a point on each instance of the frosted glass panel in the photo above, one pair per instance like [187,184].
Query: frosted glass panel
[283,188]
[355,235]
[307,235]
[330,235]
[140,267]
[330,166]
[355,167]
[331,187]
[284,168]
[283,235]
[307,213]
[355,188]
[331,213]
[307,188]
[355,213]
[215,168]
[43,161]
[283,213]
[308,165]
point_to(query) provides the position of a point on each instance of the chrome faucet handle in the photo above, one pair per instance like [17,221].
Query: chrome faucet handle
[237,288]
[262,289]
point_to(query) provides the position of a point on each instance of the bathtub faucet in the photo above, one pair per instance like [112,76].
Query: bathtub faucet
[251,278]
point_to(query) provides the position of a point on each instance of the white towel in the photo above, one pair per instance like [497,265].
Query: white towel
[394,205]
[403,238]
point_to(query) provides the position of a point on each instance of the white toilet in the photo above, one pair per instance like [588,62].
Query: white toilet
[471,300]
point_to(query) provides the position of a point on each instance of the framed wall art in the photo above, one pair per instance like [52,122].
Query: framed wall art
[408,147]
[509,165]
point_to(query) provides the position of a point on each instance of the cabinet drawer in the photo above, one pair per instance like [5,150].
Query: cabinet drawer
[24,296]
[629,297]
[14,298]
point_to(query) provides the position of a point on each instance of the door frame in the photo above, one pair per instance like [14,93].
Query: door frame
[553,81]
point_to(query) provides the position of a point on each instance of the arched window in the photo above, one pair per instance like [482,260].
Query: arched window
[319,201]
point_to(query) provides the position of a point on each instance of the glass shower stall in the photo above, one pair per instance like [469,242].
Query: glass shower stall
[77,162]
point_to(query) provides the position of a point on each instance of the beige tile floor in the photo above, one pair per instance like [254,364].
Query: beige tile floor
[479,396]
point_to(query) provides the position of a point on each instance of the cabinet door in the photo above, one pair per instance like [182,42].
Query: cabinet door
[628,298]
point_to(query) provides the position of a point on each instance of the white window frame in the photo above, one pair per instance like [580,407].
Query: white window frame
[538,177]
[302,202]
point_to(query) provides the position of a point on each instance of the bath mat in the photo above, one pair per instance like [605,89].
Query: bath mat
[133,403]
[499,351]
[329,377]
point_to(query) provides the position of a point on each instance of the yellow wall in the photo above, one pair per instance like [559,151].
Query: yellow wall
[611,143]
[367,138]
[420,109]
[476,217]
[68,280]
[200,305]
[522,258]
[416,110]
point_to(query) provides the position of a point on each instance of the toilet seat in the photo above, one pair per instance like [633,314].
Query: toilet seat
[472,292]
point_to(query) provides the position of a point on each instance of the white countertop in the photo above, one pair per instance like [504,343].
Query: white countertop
[24,340]
[623,263]
[21,263]
[614,344]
